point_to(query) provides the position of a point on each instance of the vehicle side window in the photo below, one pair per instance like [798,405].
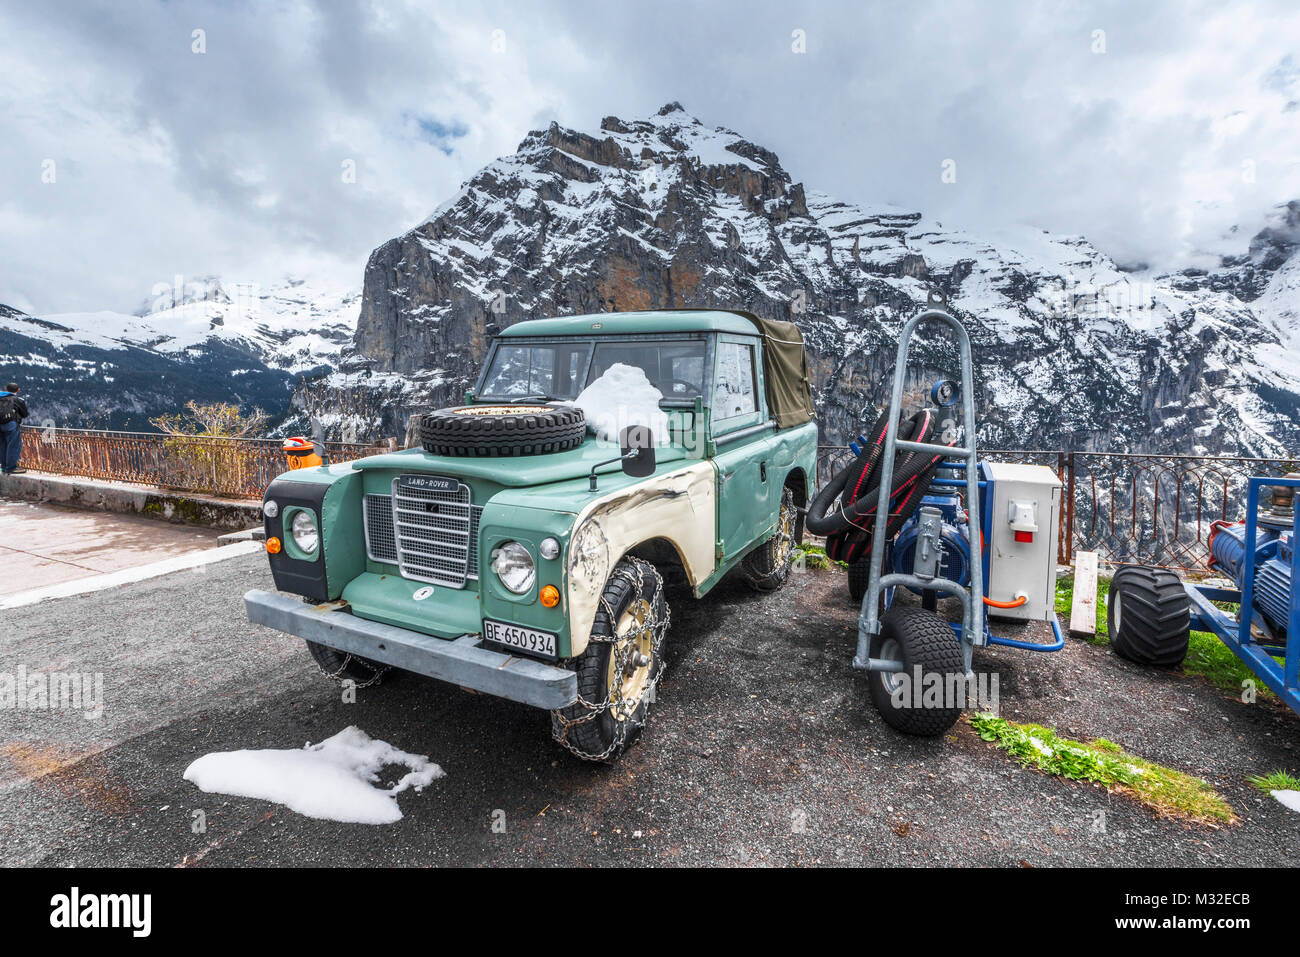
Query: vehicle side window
[734,393]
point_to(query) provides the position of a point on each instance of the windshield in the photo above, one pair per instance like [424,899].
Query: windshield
[550,371]
[562,370]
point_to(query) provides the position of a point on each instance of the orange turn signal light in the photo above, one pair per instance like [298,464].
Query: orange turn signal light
[273,545]
[550,596]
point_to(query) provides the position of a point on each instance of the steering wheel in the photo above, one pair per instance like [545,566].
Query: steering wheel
[691,388]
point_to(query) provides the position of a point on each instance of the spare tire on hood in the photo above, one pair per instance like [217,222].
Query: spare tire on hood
[502,430]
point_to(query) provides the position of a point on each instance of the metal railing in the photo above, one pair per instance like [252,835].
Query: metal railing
[1157,509]
[232,468]
[1126,507]
[1133,508]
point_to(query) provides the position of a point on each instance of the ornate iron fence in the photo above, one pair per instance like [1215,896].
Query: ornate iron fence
[235,468]
[1157,509]
[1133,508]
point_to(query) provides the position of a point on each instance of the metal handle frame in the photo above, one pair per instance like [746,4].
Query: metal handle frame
[973,616]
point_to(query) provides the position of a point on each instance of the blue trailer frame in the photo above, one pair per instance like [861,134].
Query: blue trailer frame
[1282,678]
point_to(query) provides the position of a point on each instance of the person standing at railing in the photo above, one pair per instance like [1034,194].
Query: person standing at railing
[13,410]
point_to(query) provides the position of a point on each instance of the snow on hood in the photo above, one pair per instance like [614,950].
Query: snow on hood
[623,396]
[333,780]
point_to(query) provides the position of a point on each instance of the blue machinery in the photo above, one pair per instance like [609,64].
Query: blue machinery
[1266,576]
[926,542]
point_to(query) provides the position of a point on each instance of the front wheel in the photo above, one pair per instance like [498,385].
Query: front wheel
[342,666]
[768,566]
[618,671]
[919,640]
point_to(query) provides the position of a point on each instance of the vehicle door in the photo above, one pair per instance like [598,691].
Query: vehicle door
[742,435]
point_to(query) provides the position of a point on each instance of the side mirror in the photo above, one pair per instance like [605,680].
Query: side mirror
[638,446]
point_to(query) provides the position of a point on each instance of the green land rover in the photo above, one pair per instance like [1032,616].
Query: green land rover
[518,551]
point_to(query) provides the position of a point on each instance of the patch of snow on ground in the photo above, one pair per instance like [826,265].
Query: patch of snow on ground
[1290,799]
[333,780]
[623,396]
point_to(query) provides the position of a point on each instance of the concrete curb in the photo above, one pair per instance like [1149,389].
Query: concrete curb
[180,507]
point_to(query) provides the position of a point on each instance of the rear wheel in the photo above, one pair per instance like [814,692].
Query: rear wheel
[618,671]
[767,567]
[917,639]
[1148,616]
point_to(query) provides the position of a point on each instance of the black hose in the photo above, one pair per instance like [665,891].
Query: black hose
[907,467]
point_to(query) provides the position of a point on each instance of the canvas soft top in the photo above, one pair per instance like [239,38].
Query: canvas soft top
[785,371]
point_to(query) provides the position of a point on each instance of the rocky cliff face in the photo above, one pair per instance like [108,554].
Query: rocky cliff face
[665,212]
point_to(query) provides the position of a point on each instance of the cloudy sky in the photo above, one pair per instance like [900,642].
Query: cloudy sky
[133,149]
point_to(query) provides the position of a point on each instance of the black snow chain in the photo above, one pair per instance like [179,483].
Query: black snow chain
[377,671]
[623,646]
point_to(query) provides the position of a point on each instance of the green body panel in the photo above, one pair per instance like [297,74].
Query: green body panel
[786,452]
[341,513]
[341,516]
[447,613]
[527,471]
[502,523]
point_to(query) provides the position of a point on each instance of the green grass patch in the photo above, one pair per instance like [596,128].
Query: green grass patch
[814,556]
[1168,792]
[1207,656]
[1275,781]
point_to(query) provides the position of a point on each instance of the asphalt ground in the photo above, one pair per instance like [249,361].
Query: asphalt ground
[763,749]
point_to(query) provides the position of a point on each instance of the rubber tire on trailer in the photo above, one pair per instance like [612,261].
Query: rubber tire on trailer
[767,567]
[502,430]
[598,738]
[859,575]
[1148,616]
[923,639]
[358,669]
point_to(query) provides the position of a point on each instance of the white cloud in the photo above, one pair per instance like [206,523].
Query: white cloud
[232,161]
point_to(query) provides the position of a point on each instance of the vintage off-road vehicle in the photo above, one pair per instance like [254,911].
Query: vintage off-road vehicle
[517,554]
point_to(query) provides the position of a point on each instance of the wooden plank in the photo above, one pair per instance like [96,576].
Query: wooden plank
[1083,610]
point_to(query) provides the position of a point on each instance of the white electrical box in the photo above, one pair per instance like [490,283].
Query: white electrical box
[1025,525]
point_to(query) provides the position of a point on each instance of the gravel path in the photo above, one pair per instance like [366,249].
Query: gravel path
[762,750]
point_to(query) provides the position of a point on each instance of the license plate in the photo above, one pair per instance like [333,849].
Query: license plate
[525,639]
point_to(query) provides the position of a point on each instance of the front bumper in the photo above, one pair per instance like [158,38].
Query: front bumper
[462,661]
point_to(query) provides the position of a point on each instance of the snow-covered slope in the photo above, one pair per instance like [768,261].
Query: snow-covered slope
[206,340]
[1072,351]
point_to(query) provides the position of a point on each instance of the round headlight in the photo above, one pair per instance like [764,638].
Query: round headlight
[514,567]
[303,530]
[270,509]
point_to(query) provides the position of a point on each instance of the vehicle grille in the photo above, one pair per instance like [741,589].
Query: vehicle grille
[381,542]
[430,534]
